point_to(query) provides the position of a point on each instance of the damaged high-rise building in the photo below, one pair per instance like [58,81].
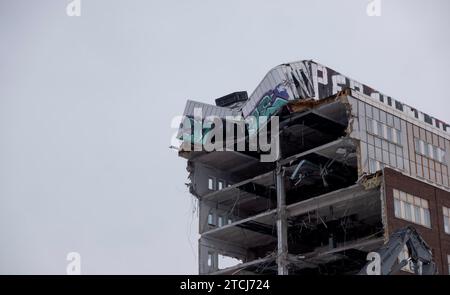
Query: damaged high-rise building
[353,165]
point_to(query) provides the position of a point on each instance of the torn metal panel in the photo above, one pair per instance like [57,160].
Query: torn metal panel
[207,110]
[199,111]
[310,80]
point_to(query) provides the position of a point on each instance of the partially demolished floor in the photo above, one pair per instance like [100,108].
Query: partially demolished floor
[327,233]
[332,216]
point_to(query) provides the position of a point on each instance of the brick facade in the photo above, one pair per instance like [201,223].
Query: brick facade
[435,236]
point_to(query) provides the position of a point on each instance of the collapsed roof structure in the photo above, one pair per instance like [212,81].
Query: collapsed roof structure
[352,166]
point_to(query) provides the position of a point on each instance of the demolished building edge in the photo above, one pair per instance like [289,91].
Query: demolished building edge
[384,215]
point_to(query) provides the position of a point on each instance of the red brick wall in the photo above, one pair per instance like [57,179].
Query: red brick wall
[435,237]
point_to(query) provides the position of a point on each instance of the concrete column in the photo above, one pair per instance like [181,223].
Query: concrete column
[282,248]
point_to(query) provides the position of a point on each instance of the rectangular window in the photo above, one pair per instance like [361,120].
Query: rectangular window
[426,220]
[424,148]
[384,131]
[398,106]
[219,185]
[411,208]
[375,127]
[390,130]
[397,208]
[428,150]
[397,136]
[417,146]
[210,259]
[435,153]
[390,120]
[369,125]
[221,221]
[380,129]
[211,219]
[211,184]
[397,123]
[417,214]
[446,212]
[441,155]
[376,114]
[408,214]
[374,166]
[369,111]
[377,142]
[400,163]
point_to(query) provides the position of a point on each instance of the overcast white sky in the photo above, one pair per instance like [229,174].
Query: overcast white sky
[86,104]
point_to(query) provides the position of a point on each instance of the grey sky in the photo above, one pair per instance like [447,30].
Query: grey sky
[86,104]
